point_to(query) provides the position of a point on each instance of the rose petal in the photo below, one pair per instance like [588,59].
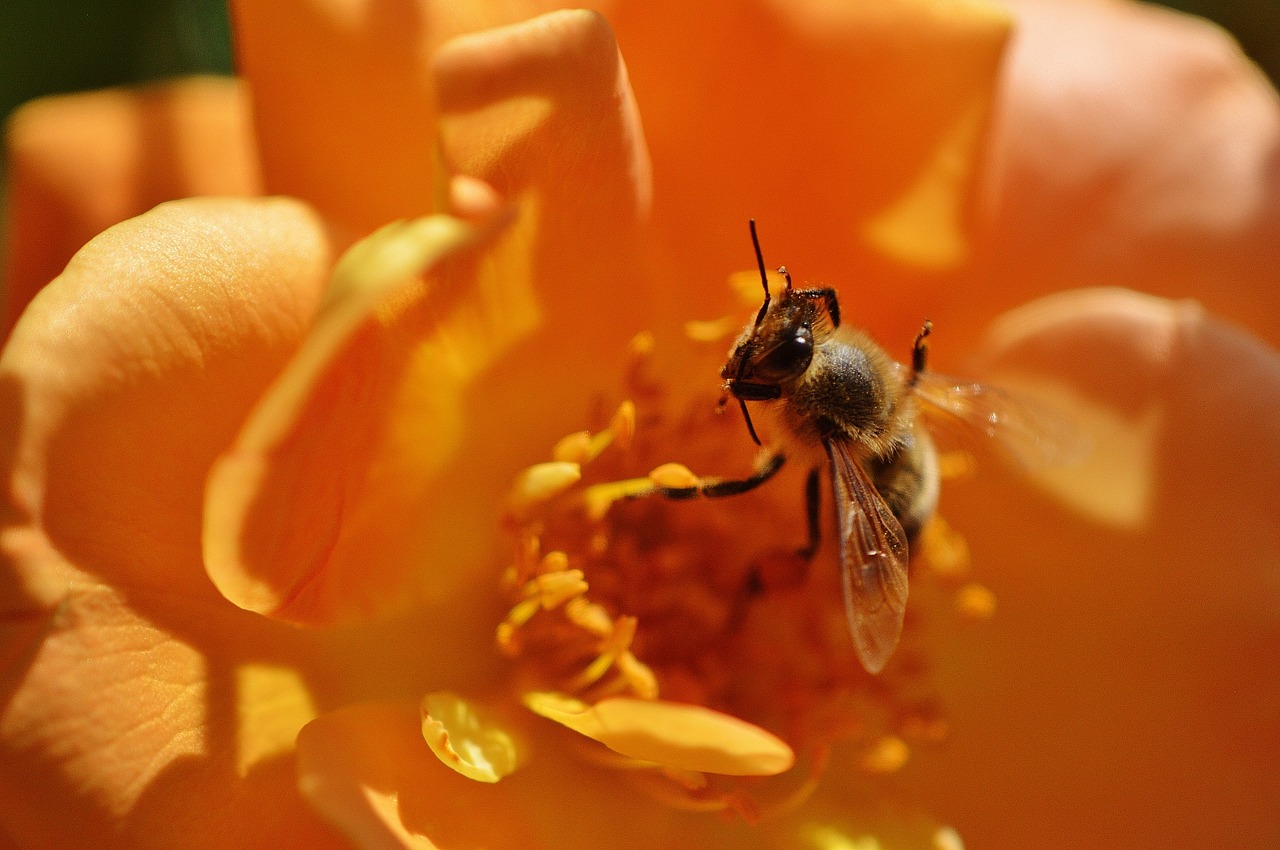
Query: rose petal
[367,770]
[129,373]
[543,110]
[471,738]
[850,130]
[372,96]
[1116,657]
[316,513]
[83,162]
[689,737]
[1175,192]
[115,729]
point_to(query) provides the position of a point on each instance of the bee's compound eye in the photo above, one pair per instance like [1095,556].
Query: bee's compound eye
[788,358]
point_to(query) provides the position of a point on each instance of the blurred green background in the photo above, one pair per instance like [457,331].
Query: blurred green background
[67,45]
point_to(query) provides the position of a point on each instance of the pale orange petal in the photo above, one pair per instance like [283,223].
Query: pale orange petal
[83,162]
[850,131]
[129,373]
[133,694]
[473,738]
[543,110]
[1135,147]
[367,770]
[344,104]
[320,510]
[1117,657]
[130,723]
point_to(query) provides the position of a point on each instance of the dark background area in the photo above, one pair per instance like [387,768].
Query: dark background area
[71,45]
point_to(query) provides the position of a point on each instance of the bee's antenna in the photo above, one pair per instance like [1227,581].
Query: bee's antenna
[764,279]
[751,429]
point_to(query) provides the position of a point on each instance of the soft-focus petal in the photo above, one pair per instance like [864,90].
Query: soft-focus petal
[850,130]
[83,162]
[1135,147]
[1127,672]
[367,770]
[344,101]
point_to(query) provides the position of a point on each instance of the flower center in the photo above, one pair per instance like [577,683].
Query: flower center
[619,592]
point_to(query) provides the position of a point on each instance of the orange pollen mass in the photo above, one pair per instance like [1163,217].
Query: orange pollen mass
[616,591]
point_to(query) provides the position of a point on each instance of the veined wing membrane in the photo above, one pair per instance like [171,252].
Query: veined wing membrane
[1032,434]
[873,558]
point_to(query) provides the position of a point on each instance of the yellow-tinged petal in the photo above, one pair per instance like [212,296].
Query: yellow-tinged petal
[366,769]
[690,737]
[314,513]
[272,704]
[470,739]
[354,134]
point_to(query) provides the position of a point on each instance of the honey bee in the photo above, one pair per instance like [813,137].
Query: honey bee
[836,401]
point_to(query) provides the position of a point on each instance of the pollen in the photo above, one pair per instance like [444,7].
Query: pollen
[975,603]
[685,643]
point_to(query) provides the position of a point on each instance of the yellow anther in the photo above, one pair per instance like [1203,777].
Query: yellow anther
[943,551]
[589,617]
[639,677]
[975,603]
[574,448]
[553,562]
[555,589]
[956,464]
[540,483]
[713,330]
[641,345]
[886,755]
[624,425]
[673,475]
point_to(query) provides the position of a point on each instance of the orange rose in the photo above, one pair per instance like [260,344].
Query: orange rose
[254,531]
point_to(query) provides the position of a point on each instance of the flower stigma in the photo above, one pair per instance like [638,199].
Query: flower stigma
[687,643]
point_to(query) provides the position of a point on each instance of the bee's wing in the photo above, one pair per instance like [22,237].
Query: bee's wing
[1024,429]
[873,558]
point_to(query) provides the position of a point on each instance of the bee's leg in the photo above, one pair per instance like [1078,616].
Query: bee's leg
[920,352]
[812,504]
[719,488]
[780,570]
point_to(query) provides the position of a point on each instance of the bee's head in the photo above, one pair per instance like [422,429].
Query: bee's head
[778,347]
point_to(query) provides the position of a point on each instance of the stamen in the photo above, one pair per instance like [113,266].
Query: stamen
[975,603]
[539,484]
[582,447]
[943,551]
[619,596]
[599,498]
[887,755]
[713,330]
[673,475]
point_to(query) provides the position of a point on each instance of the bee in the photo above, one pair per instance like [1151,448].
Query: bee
[837,402]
